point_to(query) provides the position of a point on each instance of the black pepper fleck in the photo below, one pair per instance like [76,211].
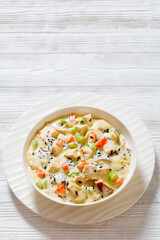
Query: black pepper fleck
[106,130]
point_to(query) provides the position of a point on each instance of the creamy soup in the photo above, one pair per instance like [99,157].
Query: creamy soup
[78,159]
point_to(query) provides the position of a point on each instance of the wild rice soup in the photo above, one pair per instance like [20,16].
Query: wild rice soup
[78,159]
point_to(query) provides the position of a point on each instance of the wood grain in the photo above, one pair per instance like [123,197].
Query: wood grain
[109,47]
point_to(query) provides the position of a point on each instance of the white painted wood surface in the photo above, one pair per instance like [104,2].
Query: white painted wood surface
[106,46]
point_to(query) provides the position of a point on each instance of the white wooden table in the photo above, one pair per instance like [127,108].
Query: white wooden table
[104,46]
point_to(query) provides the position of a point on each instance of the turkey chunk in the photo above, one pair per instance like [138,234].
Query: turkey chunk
[81,128]
[74,154]
[56,150]
[106,190]
[102,172]
[115,137]
[76,192]
[87,152]
[33,161]
[89,172]
[54,134]
[96,196]
[80,180]
[73,187]
[62,130]
[101,124]
[54,167]
[110,147]
[88,119]
[80,198]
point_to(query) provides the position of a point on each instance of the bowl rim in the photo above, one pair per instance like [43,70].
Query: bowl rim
[41,119]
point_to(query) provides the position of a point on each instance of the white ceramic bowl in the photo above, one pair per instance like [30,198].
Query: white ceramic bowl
[96,113]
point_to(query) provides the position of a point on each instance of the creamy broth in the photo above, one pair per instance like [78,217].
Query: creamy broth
[78,159]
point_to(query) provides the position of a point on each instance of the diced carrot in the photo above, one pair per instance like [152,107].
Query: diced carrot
[80,166]
[40,172]
[61,190]
[59,143]
[118,180]
[70,139]
[100,143]
[93,135]
[65,166]
[72,117]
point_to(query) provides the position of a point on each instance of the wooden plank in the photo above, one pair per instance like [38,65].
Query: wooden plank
[119,228]
[86,16]
[112,69]
[111,42]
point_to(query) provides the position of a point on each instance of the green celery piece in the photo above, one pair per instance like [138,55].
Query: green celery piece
[112,176]
[87,144]
[34,144]
[72,145]
[79,138]
[44,183]
[118,132]
[76,162]
[81,122]
[73,172]
[39,183]
[90,190]
[62,121]
[73,131]
[92,146]
[73,176]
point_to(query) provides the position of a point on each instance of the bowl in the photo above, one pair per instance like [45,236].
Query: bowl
[96,113]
